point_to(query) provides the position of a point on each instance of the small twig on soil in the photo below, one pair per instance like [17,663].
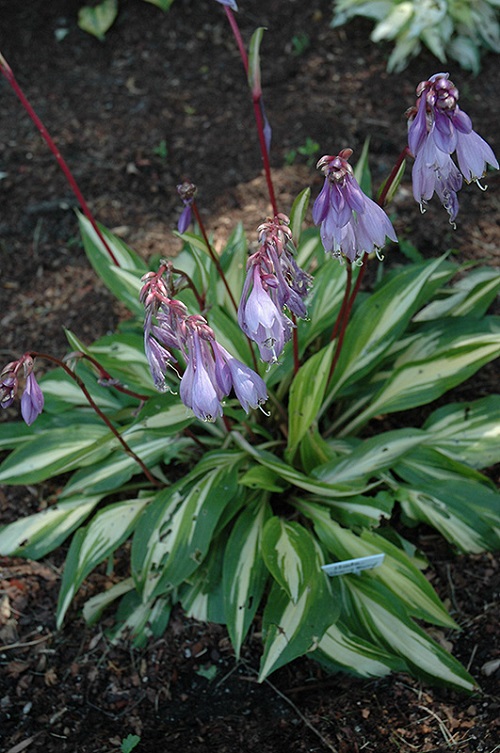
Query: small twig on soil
[296,710]
[473,654]
[450,739]
[26,644]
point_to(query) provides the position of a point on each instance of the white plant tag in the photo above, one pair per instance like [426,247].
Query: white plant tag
[353,566]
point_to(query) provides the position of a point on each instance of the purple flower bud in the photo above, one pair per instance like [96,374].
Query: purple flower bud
[31,400]
[9,385]
[351,224]
[437,129]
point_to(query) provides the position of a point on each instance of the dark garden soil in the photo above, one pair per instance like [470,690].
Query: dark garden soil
[161,100]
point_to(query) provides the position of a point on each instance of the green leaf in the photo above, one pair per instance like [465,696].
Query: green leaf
[119,467]
[379,320]
[55,452]
[36,535]
[471,296]
[448,355]
[341,650]
[463,511]
[98,19]
[124,281]
[398,572]
[162,4]
[362,170]
[467,431]
[93,544]
[292,629]
[244,572]
[95,606]
[140,620]
[371,456]
[289,554]
[306,395]
[174,534]
[202,596]
[298,213]
[131,741]
[387,624]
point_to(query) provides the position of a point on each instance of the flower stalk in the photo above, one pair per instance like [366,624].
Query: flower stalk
[8,74]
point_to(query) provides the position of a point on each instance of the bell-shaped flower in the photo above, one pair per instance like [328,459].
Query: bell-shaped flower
[260,318]
[249,388]
[437,129]
[32,400]
[198,389]
[351,224]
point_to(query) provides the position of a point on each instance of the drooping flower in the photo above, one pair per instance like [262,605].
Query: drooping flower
[32,400]
[351,224]
[437,129]
[211,372]
[229,3]
[274,281]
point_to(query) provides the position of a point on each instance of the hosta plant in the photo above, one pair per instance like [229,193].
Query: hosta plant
[246,426]
[460,29]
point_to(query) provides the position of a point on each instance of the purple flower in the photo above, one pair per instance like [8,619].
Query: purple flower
[32,397]
[249,387]
[351,223]
[187,192]
[211,372]
[9,384]
[199,389]
[32,400]
[437,129]
[274,281]
[260,318]
[229,4]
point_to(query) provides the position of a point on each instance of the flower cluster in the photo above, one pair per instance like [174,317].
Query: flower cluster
[351,223]
[32,397]
[437,129]
[211,372]
[273,281]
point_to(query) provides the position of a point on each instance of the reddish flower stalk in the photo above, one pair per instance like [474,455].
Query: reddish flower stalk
[105,378]
[100,413]
[8,74]
[257,108]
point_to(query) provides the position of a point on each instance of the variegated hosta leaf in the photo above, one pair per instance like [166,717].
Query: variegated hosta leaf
[289,553]
[306,394]
[296,478]
[463,511]
[62,393]
[292,629]
[202,595]
[439,365]
[371,456]
[141,620]
[244,572]
[341,650]
[398,572]
[93,544]
[298,213]
[36,535]
[380,613]
[379,320]
[119,467]
[174,534]
[55,452]
[470,296]
[126,289]
[469,432]
[95,606]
